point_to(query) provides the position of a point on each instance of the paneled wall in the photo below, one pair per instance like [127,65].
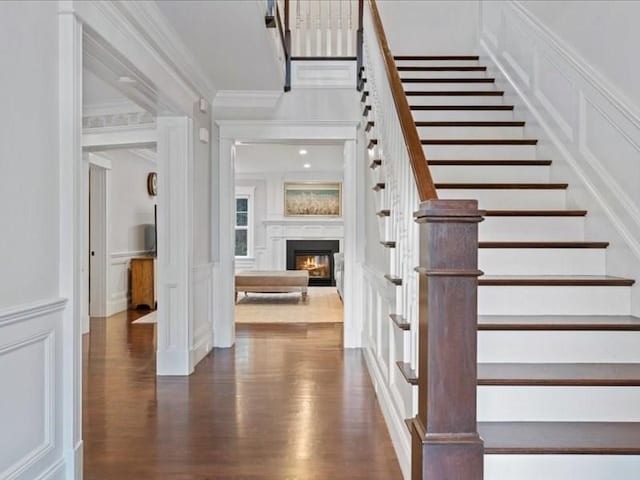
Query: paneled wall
[31,330]
[580,108]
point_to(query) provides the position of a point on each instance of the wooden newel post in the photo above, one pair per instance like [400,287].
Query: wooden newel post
[445,440]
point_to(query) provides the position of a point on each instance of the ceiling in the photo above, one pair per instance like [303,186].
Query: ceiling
[229,41]
[272,157]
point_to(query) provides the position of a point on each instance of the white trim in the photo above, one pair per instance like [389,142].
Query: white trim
[27,311]
[246,99]
[592,76]
[129,254]
[110,108]
[148,18]
[98,161]
[129,136]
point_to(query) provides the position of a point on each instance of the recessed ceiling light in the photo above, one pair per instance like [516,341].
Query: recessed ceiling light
[302,151]
[307,165]
[127,80]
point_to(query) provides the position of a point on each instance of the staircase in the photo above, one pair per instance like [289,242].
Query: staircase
[558,393]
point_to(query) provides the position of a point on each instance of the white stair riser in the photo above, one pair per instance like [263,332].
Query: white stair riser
[442,74]
[447,86]
[490,173]
[558,404]
[462,115]
[561,467]
[455,100]
[541,261]
[471,132]
[543,229]
[438,63]
[476,152]
[550,346]
[509,199]
[554,300]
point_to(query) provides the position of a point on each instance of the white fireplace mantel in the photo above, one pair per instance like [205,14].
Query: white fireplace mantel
[279,230]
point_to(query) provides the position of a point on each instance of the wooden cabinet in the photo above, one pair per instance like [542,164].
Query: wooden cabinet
[143,290]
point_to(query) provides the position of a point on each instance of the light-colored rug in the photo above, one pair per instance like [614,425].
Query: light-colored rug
[148,318]
[323,305]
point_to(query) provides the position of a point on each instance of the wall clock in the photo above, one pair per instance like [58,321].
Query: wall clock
[152,184]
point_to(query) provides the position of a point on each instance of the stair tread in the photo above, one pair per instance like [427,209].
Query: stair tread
[559,374]
[559,322]
[442,68]
[554,280]
[449,80]
[520,244]
[375,163]
[503,186]
[397,281]
[388,243]
[407,372]
[501,163]
[454,93]
[596,438]
[436,57]
[479,141]
[535,213]
[462,123]
[400,321]
[461,107]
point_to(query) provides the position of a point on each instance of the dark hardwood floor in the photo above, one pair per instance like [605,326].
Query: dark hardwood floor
[285,403]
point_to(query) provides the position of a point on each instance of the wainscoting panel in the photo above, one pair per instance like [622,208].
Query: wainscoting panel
[31,401]
[589,130]
[202,312]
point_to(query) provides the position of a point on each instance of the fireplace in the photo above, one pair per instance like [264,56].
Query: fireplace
[315,256]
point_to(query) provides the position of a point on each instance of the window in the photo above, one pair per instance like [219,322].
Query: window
[244,222]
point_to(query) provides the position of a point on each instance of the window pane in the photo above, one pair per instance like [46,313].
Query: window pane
[241,243]
[242,204]
[242,219]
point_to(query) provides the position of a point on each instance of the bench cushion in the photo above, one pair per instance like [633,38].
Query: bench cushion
[287,278]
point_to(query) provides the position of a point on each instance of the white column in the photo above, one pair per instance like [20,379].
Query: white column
[70,235]
[352,249]
[224,319]
[175,178]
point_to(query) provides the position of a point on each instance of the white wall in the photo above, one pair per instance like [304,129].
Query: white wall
[417,27]
[30,310]
[603,32]
[585,125]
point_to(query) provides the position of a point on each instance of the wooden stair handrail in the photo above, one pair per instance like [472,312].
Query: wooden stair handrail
[419,165]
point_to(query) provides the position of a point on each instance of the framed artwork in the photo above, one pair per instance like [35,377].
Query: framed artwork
[312,199]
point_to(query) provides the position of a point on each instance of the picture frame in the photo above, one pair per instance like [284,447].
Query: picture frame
[313,199]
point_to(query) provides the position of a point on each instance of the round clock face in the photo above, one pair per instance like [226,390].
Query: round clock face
[152,184]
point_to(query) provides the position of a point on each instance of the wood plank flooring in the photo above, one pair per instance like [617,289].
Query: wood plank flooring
[287,402]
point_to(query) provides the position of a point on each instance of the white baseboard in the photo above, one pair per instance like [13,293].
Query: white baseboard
[200,350]
[57,471]
[173,363]
[117,306]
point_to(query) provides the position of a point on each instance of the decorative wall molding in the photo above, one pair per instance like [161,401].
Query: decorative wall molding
[119,120]
[246,99]
[594,131]
[323,74]
[31,310]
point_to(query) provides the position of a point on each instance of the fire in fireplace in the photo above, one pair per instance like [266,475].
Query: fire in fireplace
[315,256]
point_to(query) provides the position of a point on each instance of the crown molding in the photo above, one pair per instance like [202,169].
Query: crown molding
[156,29]
[246,98]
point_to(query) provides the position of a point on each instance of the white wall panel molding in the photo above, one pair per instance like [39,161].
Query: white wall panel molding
[594,78]
[126,136]
[246,99]
[32,310]
[323,74]
[202,308]
[585,125]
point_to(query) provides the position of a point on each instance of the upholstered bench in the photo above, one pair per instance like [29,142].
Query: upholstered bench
[287,281]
